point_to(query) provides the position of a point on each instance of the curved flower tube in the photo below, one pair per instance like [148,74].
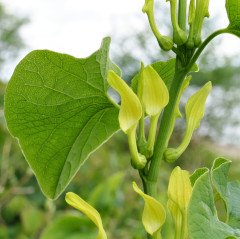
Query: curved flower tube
[154,214]
[194,113]
[77,202]
[129,115]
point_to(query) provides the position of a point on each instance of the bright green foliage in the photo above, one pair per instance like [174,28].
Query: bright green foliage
[229,191]
[70,227]
[202,213]
[58,108]
[233,10]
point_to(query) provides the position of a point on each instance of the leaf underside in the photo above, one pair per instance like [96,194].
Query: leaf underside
[57,106]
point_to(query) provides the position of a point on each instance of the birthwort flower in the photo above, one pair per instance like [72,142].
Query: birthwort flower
[77,202]
[154,214]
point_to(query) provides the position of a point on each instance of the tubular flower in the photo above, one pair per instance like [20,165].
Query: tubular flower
[179,192]
[154,96]
[194,113]
[129,115]
[154,214]
[131,109]
[152,91]
[75,201]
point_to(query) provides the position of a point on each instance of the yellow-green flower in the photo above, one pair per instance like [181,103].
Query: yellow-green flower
[131,109]
[129,115]
[152,91]
[75,201]
[179,192]
[154,96]
[154,214]
[194,113]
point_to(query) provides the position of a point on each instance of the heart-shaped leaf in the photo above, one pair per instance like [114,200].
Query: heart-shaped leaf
[58,108]
[202,214]
[233,11]
[229,191]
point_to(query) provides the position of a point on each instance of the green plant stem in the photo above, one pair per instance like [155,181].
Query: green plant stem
[152,132]
[202,47]
[161,142]
[182,14]
[141,128]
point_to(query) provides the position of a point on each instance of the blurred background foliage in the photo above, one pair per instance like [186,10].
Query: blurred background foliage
[105,180]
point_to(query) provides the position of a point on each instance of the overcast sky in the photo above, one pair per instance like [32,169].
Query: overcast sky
[77,27]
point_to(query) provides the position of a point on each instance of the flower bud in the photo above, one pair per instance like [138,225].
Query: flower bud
[179,35]
[165,42]
[201,13]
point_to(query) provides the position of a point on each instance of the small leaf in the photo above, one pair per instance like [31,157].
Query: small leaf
[154,214]
[77,202]
[58,108]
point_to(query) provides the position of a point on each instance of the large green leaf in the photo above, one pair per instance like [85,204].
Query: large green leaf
[229,191]
[69,227]
[165,69]
[233,10]
[202,214]
[58,108]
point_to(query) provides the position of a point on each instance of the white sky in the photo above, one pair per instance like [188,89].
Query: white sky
[76,27]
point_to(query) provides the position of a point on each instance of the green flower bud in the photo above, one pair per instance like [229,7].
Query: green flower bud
[201,13]
[165,42]
[179,192]
[154,214]
[179,35]
[191,17]
[194,113]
